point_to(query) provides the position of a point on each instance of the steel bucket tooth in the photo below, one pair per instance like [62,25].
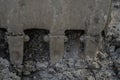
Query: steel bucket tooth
[16,49]
[56,48]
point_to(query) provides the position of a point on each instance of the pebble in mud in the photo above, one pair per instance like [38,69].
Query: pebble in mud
[81,64]
[81,74]
[102,55]
[28,67]
[90,78]
[69,75]
[41,66]
[60,67]
[94,65]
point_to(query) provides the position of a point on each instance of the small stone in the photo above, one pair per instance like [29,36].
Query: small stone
[60,76]
[80,64]
[82,38]
[40,66]
[108,73]
[94,65]
[102,55]
[52,71]
[54,78]
[77,73]
[69,75]
[81,74]
[112,49]
[66,39]
[60,67]
[29,66]
[90,78]
[19,69]
[34,77]
[26,73]
[45,74]
[70,63]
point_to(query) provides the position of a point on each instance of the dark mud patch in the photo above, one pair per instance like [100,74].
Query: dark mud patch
[74,47]
[3,44]
[36,48]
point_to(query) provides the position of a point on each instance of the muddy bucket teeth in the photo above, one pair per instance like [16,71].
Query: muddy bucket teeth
[56,16]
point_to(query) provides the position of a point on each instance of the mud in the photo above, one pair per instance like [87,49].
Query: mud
[36,65]
[5,73]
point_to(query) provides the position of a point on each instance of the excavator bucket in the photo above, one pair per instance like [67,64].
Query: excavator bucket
[57,16]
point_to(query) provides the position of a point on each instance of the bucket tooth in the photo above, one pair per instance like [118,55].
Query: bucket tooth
[91,47]
[16,49]
[56,48]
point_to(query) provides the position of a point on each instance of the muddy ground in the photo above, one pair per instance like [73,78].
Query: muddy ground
[36,66]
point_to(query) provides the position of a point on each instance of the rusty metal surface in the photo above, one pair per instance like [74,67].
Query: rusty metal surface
[55,16]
